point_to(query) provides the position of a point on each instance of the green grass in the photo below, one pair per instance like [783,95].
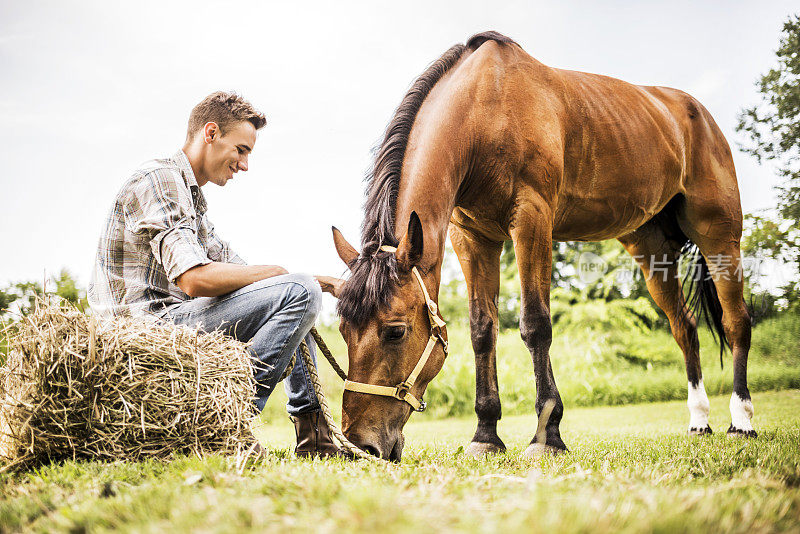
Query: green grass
[3,342]
[631,469]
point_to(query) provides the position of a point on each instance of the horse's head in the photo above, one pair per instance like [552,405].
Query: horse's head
[396,341]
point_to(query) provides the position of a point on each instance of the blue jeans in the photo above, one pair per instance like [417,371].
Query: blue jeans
[275,315]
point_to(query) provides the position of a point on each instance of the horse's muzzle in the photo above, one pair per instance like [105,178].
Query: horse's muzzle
[390,449]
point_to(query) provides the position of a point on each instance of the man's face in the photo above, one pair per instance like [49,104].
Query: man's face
[227,154]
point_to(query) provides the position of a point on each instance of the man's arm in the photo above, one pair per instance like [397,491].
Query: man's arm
[159,208]
[216,278]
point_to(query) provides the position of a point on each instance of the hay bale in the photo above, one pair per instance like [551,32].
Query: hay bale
[130,390]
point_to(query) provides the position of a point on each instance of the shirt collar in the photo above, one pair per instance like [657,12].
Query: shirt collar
[182,161]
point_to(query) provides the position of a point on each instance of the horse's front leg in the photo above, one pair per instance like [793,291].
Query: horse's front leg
[480,262]
[532,232]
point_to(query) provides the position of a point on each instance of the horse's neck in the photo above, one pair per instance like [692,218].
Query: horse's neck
[435,163]
[434,204]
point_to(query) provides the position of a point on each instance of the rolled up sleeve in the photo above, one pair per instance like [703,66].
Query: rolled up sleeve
[178,250]
[161,211]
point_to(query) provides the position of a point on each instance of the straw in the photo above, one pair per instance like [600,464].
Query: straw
[127,391]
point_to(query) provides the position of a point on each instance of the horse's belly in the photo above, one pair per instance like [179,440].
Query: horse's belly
[600,219]
[616,191]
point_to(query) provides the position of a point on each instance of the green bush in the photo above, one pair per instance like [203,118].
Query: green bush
[778,339]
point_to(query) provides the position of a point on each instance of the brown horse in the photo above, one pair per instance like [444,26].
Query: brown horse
[496,146]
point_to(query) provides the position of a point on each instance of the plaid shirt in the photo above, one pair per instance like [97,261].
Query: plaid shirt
[157,229]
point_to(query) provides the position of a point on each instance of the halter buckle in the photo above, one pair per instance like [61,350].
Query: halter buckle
[442,340]
[402,387]
[402,390]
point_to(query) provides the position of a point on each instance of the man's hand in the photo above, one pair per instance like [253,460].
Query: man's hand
[216,278]
[331,285]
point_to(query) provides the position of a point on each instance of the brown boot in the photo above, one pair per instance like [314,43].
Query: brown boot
[313,436]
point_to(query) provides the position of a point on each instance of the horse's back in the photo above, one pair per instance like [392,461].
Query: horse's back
[627,150]
[606,154]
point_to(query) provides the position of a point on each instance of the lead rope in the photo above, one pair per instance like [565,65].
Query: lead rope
[323,402]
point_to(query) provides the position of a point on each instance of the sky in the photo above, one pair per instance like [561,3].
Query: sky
[92,89]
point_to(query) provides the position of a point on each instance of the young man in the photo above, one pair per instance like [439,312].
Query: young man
[160,257]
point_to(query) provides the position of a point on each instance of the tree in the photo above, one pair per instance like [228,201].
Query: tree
[772,132]
[23,295]
[68,289]
[7,297]
[564,281]
[766,238]
[27,293]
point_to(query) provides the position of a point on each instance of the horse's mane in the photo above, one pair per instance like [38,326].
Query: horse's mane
[374,273]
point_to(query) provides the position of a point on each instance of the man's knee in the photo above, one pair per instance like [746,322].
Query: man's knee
[297,292]
[306,288]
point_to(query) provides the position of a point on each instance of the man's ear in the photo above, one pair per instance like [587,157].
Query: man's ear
[343,248]
[409,251]
[210,131]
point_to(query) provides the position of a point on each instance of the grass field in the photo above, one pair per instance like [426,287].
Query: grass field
[631,469]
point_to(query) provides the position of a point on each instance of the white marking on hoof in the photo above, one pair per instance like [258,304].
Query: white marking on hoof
[741,434]
[479,450]
[699,408]
[538,450]
[741,415]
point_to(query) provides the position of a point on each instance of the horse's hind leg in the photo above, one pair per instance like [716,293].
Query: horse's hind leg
[532,232]
[715,227]
[480,262]
[657,256]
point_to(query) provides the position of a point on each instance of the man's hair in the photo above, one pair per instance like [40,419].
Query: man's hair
[226,109]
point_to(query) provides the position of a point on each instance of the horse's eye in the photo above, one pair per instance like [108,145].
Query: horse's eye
[394,333]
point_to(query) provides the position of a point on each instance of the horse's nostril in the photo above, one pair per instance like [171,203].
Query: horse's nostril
[397,452]
[369,449]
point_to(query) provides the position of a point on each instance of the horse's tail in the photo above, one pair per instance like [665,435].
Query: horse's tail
[701,295]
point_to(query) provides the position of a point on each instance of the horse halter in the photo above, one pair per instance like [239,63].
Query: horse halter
[402,391]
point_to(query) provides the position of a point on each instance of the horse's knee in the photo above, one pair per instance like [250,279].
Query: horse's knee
[482,332]
[536,329]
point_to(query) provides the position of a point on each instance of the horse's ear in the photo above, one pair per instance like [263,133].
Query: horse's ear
[409,251]
[343,248]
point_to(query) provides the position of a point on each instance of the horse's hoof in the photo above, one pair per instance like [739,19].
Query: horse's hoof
[734,432]
[539,450]
[478,449]
[698,431]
